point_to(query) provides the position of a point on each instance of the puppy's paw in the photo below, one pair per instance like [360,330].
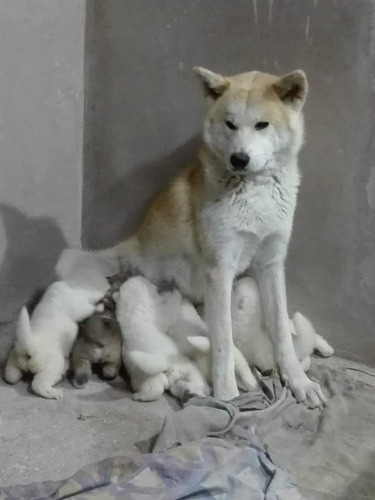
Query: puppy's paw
[12,374]
[246,381]
[50,393]
[79,381]
[144,396]
[45,391]
[109,372]
[99,308]
[322,347]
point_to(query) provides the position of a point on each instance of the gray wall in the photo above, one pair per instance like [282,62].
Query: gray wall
[144,110]
[41,123]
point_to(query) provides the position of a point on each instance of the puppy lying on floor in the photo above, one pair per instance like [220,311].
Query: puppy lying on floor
[151,358]
[99,341]
[44,341]
[252,338]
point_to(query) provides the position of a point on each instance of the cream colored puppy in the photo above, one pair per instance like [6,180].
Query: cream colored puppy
[252,338]
[44,341]
[151,358]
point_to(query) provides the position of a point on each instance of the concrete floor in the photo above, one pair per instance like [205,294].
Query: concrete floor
[50,440]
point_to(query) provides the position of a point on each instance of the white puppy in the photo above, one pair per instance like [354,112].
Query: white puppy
[191,334]
[151,358]
[44,341]
[252,338]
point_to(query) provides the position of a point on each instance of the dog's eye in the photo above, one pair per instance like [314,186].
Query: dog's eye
[261,125]
[230,125]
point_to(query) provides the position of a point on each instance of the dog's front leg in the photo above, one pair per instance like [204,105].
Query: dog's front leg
[270,275]
[218,291]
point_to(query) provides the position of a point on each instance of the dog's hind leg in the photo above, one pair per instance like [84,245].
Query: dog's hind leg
[45,379]
[12,373]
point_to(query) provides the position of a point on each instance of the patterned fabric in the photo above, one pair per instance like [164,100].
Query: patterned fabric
[210,468]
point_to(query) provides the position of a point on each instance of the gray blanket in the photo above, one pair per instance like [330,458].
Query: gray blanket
[210,468]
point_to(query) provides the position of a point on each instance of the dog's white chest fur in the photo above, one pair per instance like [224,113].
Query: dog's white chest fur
[238,221]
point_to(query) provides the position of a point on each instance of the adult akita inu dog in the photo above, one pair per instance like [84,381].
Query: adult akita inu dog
[228,214]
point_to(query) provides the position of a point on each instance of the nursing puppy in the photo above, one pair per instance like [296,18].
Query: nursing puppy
[191,335]
[252,338]
[44,341]
[151,358]
[98,342]
[229,213]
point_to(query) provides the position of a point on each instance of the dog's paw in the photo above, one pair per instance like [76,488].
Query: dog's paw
[306,391]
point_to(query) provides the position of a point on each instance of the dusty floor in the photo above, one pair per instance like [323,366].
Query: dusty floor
[44,439]
[50,440]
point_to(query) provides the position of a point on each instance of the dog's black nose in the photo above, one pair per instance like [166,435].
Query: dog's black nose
[239,160]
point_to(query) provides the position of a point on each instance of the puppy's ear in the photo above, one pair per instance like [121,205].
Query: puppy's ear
[214,85]
[200,343]
[292,89]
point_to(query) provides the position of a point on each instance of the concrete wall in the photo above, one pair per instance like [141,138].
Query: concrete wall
[144,110]
[41,123]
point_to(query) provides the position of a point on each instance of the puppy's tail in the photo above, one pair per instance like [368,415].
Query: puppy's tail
[23,328]
[148,362]
[108,262]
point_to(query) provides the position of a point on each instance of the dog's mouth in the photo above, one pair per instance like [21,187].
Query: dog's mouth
[249,170]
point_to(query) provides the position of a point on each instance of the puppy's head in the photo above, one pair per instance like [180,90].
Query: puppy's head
[254,120]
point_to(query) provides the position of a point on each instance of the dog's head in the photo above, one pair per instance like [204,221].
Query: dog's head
[254,120]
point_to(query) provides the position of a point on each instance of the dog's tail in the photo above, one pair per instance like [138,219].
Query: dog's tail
[108,262]
[148,362]
[23,328]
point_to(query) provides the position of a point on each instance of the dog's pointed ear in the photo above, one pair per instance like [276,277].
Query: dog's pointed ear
[214,85]
[292,89]
[200,343]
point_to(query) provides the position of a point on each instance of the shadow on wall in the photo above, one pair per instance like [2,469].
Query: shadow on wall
[116,212]
[33,245]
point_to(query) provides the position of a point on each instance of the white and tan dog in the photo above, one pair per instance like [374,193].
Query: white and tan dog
[252,338]
[229,213]
[151,358]
[44,341]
